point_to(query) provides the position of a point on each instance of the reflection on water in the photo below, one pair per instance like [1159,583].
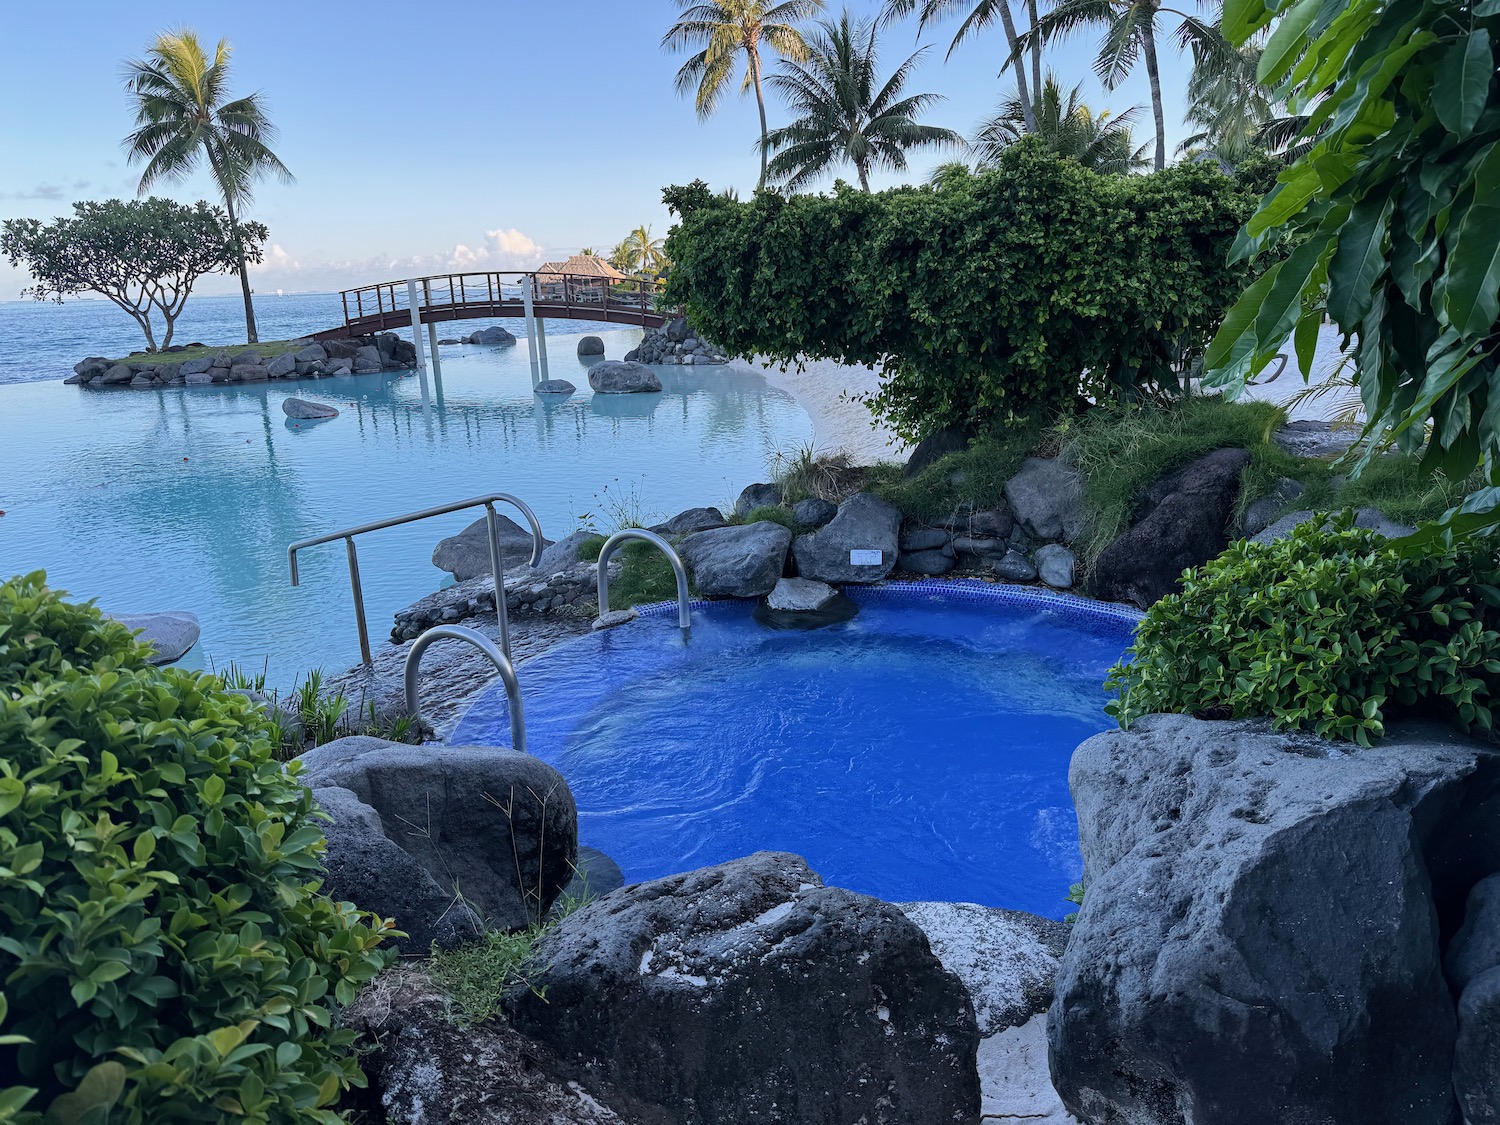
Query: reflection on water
[187,497]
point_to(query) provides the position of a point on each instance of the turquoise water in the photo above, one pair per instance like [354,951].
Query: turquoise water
[186,498]
[918,751]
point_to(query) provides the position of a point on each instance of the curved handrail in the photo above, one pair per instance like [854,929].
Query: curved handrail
[488,500]
[483,644]
[684,612]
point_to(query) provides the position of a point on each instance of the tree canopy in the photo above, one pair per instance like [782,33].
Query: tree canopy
[144,255]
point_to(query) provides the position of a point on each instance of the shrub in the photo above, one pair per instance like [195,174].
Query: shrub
[1333,629]
[164,951]
[989,298]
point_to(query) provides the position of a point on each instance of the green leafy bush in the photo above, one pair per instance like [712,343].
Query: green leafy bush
[164,953]
[985,299]
[1332,629]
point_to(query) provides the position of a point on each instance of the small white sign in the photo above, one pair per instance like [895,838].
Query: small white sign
[866,558]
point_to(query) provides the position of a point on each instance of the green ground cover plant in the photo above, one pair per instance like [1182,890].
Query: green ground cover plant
[987,298]
[645,574]
[268,349]
[1334,629]
[974,476]
[476,976]
[164,952]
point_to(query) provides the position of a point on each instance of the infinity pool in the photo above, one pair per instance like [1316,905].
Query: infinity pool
[918,751]
[186,498]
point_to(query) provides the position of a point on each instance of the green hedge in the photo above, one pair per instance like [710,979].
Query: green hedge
[1332,629]
[989,298]
[164,953]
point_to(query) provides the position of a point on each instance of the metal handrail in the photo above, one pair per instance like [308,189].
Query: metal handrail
[684,612]
[500,660]
[488,502]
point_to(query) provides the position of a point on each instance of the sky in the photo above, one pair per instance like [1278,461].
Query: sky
[448,134]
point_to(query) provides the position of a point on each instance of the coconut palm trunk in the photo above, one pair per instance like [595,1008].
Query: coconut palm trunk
[1153,74]
[760,104]
[1036,52]
[252,336]
[1022,92]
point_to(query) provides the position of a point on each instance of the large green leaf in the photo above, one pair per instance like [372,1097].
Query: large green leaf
[1471,282]
[1227,359]
[1359,259]
[1288,40]
[1461,83]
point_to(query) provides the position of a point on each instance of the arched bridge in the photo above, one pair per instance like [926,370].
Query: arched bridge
[478,296]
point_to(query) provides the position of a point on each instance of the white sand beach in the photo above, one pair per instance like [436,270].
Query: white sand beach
[831,394]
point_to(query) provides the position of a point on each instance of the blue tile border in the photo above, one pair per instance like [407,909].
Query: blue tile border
[963,590]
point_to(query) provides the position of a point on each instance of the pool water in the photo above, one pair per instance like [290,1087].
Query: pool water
[919,751]
[186,498]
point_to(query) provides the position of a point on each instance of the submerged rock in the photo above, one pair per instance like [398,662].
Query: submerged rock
[619,377]
[749,992]
[494,334]
[302,408]
[554,387]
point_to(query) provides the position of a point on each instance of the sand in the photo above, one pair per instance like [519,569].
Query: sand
[830,393]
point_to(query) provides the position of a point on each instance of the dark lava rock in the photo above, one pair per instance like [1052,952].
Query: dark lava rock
[467,554]
[1015,567]
[749,992]
[1047,499]
[553,387]
[736,562]
[1476,1056]
[932,563]
[1182,521]
[302,409]
[1476,947]
[934,447]
[1259,941]
[590,345]
[865,523]
[495,827]
[757,496]
[813,512]
[694,519]
[914,537]
[620,377]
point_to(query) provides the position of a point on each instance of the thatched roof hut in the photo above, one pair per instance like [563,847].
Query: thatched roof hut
[586,265]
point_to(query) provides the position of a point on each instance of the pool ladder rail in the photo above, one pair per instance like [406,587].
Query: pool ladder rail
[684,610]
[501,662]
[488,502]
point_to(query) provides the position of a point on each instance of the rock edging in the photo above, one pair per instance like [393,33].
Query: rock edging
[356,355]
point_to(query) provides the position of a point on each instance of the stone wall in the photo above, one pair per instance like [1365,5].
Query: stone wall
[675,342]
[357,355]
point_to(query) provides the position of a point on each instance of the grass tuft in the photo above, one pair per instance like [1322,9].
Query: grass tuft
[976,475]
[476,975]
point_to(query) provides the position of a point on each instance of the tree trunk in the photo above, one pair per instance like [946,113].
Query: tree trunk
[1148,49]
[1036,50]
[1028,118]
[864,175]
[760,103]
[251,337]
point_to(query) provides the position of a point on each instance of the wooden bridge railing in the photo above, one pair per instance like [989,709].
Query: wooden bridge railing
[447,296]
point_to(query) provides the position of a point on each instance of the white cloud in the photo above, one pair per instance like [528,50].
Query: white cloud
[504,249]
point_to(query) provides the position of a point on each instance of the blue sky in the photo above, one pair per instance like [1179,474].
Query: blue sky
[441,135]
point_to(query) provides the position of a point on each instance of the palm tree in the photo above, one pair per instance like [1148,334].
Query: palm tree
[843,116]
[642,252]
[1235,114]
[623,256]
[1129,34]
[1101,142]
[727,28]
[181,114]
[982,13]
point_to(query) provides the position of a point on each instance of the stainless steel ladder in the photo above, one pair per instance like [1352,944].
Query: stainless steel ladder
[684,612]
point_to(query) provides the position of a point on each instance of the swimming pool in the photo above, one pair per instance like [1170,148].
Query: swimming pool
[918,751]
[187,497]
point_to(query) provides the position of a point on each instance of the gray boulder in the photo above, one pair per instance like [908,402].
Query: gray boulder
[313,353]
[91,367]
[223,359]
[249,373]
[1476,1055]
[1055,565]
[369,868]
[750,992]
[117,375]
[1260,514]
[1476,947]
[494,334]
[859,545]
[467,554]
[618,377]
[1371,518]
[934,447]
[677,329]
[1259,940]
[754,496]
[1047,499]
[1316,439]
[800,595]
[1014,567]
[813,512]
[736,562]
[930,563]
[1007,959]
[495,829]
[590,345]
[282,366]
[914,537]
[367,360]
[690,521]
[556,558]
[554,387]
[170,633]
[247,356]
[301,408]
[345,349]
[196,366]
[1182,521]
[427,1069]
[197,378]
[340,367]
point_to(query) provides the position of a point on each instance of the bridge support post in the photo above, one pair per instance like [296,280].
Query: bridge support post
[416,325]
[526,284]
[432,344]
[541,344]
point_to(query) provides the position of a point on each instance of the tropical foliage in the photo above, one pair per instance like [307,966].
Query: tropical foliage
[144,255]
[727,29]
[990,298]
[638,252]
[1390,222]
[1235,115]
[845,113]
[1333,629]
[183,114]
[164,953]
[1101,142]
